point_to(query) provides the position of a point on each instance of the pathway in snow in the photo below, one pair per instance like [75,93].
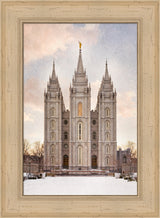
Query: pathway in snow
[80,185]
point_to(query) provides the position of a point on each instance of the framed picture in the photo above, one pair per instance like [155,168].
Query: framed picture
[80,127]
[16,15]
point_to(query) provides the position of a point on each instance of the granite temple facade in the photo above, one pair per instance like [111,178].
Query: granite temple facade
[80,139]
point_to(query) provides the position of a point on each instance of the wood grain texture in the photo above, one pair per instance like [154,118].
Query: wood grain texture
[14,14]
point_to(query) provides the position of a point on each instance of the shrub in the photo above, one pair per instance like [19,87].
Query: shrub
[131,179]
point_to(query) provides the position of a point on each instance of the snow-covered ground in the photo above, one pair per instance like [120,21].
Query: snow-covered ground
[80,185]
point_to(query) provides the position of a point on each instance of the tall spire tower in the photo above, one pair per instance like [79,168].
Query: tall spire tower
[106,107]
[80,103]
[53,71]
[80,63]
[106,72]
[53,108]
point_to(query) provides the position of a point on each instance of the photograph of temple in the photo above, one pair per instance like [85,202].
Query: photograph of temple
[80,139]
[80,109]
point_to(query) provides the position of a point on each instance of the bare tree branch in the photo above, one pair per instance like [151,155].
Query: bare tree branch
[38,149]
[133,149]
[26,147]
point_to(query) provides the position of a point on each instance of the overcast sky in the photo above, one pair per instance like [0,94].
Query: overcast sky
[44,43]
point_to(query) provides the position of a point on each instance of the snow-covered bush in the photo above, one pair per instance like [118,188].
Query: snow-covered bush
[117,175]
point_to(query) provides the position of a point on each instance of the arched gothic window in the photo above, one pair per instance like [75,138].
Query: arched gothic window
[94,135]
[108,136]
[107,149]
[124,159]
[94,122]
[65,135]
[52,160]
[94,161]
[79,131]
[80,109]
[65,161]
[52,124]
[52,149]
[107,160]
[79,155]
[52,136]
[107,124]
[107,112]
[52,111]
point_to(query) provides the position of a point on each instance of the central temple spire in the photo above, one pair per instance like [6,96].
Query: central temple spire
[53,70]
[80,63]
[106,72]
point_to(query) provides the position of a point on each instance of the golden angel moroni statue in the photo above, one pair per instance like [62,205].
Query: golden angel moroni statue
[80,45]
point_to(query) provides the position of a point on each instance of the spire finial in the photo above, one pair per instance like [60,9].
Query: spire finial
[80,45]
[53,65]
[80,64]
[106,71]
[53,71]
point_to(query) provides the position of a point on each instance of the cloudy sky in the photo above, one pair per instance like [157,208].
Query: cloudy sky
[44,43]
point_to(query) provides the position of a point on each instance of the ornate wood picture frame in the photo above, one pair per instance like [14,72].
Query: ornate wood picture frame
[13,15]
